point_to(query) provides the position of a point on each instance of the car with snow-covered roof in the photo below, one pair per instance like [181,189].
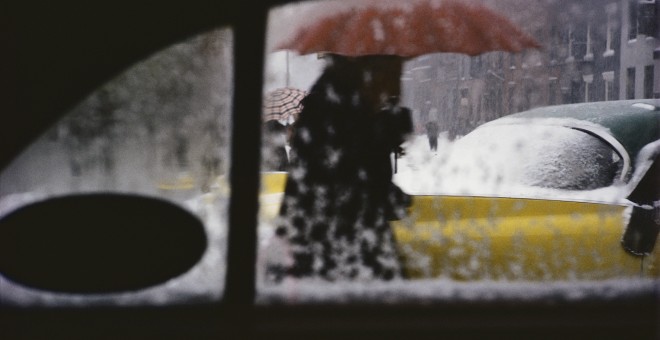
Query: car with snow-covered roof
[556,193]
[560,192]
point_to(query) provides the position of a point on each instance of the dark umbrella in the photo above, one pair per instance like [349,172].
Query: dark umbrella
[283,105]
[417,29]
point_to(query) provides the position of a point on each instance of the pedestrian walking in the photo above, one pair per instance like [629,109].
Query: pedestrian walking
[339,194]
[432,131]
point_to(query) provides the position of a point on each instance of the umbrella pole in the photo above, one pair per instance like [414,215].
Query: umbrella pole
[287,68]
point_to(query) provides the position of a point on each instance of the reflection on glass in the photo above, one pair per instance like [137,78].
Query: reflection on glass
[502,200]
[160,129]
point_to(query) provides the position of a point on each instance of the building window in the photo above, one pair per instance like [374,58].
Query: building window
[647,18]
[556,39]
[511,97]
[553,87]
[632,20]
[648,81]
[588,79]
[611,12]
[590,54]
[570,42]
[608,77]
[609,90]
[630,83]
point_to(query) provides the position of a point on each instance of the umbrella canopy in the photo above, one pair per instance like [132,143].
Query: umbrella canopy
[417,29]
[283,105]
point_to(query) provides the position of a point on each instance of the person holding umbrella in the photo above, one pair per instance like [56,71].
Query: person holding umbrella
[339,193]
[281,108]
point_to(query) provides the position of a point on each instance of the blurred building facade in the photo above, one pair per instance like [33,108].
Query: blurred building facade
[593,50]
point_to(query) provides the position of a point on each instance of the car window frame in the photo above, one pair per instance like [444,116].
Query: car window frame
[236,314]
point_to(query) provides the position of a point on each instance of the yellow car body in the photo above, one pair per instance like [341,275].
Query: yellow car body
[495,238]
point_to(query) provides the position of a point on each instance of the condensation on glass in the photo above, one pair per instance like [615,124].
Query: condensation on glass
[160,129]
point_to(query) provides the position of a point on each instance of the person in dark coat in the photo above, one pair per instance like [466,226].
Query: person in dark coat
[275,157]
[339,194]
[432,131]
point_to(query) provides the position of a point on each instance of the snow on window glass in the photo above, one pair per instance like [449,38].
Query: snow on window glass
[160,129]
[384,182]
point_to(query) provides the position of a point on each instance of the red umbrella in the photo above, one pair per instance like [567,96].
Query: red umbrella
[421,28]
[283,105]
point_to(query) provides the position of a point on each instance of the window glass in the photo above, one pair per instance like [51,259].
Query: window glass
[485,176]
[161,129]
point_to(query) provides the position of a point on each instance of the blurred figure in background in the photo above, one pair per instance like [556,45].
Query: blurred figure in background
[275,143]
[432,131]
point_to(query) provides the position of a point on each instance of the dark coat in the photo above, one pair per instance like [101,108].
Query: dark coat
[274,151]
[339,194]
[275,160]
[432,129]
